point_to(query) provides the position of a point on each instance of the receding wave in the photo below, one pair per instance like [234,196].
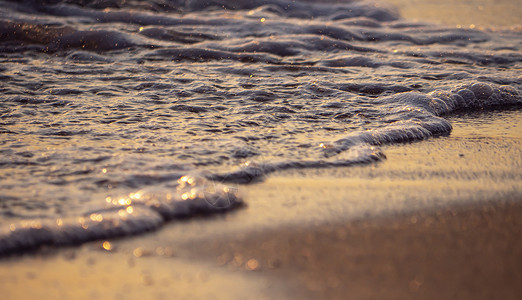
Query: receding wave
[181,98]
[136,213]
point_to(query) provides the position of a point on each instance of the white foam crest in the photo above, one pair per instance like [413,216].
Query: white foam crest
[425,123]
[133,214]
[253,171]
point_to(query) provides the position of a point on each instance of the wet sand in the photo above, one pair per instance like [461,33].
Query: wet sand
[461,13]
[460,253]
[470,13]
[439,219]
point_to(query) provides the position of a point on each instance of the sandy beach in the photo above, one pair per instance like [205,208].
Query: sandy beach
[472,13]
[462,13]
[438,219]
[445,225]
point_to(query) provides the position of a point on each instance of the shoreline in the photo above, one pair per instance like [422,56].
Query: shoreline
[479,14]
[439,219]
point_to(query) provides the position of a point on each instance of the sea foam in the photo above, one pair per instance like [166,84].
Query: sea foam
[182,98]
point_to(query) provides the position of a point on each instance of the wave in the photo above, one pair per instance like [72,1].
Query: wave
[126,96]
[424,122]
[136,213]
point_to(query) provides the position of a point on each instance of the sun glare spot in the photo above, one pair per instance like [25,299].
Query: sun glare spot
[136,195]
[252,264]
[96,217]
[124,201]
[183,179]
[107,246]
[138,252]
[192,194]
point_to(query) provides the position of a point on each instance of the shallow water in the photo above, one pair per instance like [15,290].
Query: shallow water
[169,102]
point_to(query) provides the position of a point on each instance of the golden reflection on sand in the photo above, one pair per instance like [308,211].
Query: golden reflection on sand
[462,14]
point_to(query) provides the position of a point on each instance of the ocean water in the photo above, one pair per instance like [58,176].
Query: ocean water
[119,116]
